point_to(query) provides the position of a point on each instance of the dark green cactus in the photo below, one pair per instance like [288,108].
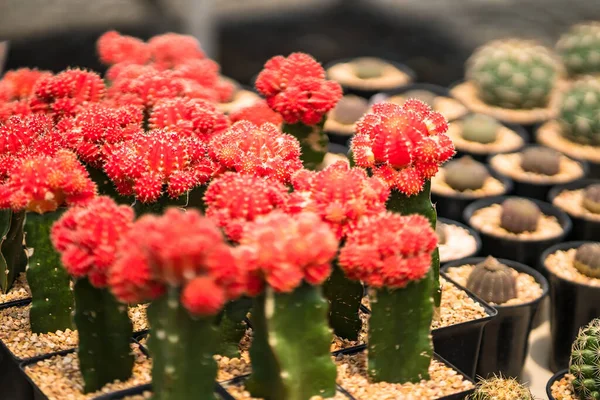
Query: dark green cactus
[232,327]
[492,281]
[182,349]
[13,259]
[350,109]
[52,299]
[579,119]
[159,206]
[584,364]
[106,186]
[465,174]
[500,388]
[519,215]
[440,231]
[480,128]
[290,351]
[344,297]
[591,198]
[579,48]
[105,332]
[368,67]
[313,142]
[541,160]
[425,96]
[587,259]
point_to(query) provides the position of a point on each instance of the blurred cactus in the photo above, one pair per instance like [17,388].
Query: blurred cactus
[579,49]
[500,388]
[368,67]
[350,109]
[587,259]
[465,174]
[440,231]
[579,117]
[519,215]
[492,281]
[514,74]
[584,363]
[480,128]
[425,96]
[591,198]
[541,160]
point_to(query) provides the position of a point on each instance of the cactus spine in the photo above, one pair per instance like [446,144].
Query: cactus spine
[12,254]
[105,331]
[52,298]
[313,142]
[290,349]
[500,388]
[344,297]
[584,363]
[232,327]
[182,350]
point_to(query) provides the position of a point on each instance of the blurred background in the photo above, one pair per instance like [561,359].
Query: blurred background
[434,37]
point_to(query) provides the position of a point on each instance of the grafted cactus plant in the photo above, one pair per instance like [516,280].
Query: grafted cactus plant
[584,362]
[16,88]
[392,254]
[189,282]
[42,185]
[579,119]
[579,49]
[295,86]
[86,237]
[289,257]
[258,113]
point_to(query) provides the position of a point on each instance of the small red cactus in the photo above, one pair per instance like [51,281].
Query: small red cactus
[114,48]
[87,237]
[389,250]
[280,72]
[181,249]
[204,71]
[43,183]
[19,84]
[225,89]
[283,250]
[257,113]
[234,199]
[171,49]
[404,145]
[262,151]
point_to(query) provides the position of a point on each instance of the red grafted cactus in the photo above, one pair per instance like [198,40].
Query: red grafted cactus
[87,238]
[19,84]
[202,71]
[257,113]
[43,183]
[144,165]
[189,117]
[235,199]
[260,150]
[284,250]
[340,195]
[280,72]
[389,250]
[171,49]
[404,145]
[225,89]
[114,48]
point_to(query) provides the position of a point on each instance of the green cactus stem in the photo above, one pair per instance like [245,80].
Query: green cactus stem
[182,349]
[344,297]
[12,253]
[232,327]
[105,332]
[313,142]
[290,350]
[106,186]
[159,206]
[52,299]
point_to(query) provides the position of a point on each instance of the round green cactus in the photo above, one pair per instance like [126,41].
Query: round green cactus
[349,109]
[541,160]
[587,259]
[465,174]
[514,74]
[368,67]
[585,364]
[591,198]
[579,116]
[579,49]
[480,128]
[519,215]
[500,388]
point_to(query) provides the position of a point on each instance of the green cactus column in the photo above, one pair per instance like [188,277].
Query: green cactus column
[182,349]
[344,298]
[105,333]
[313,142]
[232,327]
[290,350]
[52,298]
[13,259]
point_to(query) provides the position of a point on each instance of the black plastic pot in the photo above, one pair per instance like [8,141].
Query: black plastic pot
[504,343]
[556,377]
[583,229]
[366,93]
[429,87]
[453,206]
[524,251]
[339,138]
[337,148]
[535,190]
[572,305]
[475,235]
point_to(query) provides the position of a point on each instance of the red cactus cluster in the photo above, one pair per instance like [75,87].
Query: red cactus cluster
[283,250]
[178,249]
[16,88]
[235,199]
[260,150]
[404,145]
[258,113]
[340,195]
[296,88]
[389,250]
[87,238]
[43,183]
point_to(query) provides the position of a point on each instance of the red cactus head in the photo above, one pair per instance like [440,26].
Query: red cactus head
[262,151]
[114,48]
[19,108]
[204,71]
[257,113]
[172,49]
[226,89]
[389,250]
[279,72]
[234,199]
[178,249]
[43,183]
[19,84]
[87,237]
[404,145]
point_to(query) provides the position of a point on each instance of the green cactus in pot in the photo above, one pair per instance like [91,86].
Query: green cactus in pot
[578,116]
[579,49]
[519,215]
[584,364]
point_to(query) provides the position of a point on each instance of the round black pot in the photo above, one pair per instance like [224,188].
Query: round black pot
[583,229]
[572,305]
[556,377]
[524,251]
[365,93]
[471,232]
[535,190]
[336,148]
[339,138]
[505,339]
[430,87]
[453,206]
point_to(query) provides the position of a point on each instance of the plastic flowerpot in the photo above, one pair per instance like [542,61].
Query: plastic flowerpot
[536,190]
[337,148]
[572,305]
[505,339]
[474,234]
[556,377]
[452,206]
[583,228]
[524,251]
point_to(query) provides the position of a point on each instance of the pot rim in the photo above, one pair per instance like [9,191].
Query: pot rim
[396,63]
[557,376]
[564,246]
[506,182]
[471,231]
[574,185]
